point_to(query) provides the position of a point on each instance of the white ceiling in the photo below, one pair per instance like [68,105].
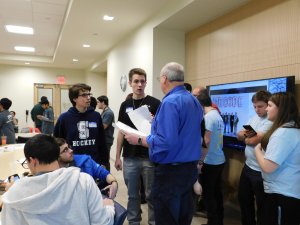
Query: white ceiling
[62,26]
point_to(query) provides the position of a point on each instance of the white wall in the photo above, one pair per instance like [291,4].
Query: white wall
[17,84]
[169,46]
[98,82]
[136,51]
[146,49]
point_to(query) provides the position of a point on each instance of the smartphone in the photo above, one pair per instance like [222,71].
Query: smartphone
[249,128]
[15,177]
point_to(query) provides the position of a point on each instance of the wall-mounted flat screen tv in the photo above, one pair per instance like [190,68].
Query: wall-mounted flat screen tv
[234,102]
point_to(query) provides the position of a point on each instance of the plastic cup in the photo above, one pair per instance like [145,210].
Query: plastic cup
[3,140]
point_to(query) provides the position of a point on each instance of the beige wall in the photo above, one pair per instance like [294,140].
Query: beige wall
[258,40]
[98,82]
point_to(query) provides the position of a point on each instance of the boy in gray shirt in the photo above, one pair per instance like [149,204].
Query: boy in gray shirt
[6,121]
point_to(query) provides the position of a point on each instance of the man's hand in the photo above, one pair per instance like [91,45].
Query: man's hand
[6,185]
[131,138]
[112,189]
[118,164]
[197,188]
[249,133]
[107,201]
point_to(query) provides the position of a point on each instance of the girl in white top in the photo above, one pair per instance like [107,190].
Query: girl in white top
[278,155]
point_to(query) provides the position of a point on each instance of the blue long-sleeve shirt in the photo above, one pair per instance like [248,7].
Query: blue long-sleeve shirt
[88,165]
[176,132]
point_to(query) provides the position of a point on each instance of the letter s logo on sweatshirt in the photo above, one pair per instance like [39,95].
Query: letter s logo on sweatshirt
[83,129]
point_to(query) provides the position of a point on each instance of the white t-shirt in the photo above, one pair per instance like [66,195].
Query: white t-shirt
[259,124]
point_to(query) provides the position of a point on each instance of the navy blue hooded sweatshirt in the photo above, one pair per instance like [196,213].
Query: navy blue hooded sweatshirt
[84,133]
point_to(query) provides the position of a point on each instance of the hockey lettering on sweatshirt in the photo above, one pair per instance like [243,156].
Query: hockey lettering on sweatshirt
[84,133]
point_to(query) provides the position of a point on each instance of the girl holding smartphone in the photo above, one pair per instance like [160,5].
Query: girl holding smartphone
[279,158]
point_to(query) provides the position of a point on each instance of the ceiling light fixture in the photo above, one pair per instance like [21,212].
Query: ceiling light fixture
[19,29]
[108,18]
[27,63]
[75,60]
[86,45]
[24,49]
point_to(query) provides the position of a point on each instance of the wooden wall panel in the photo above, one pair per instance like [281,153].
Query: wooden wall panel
[258,40]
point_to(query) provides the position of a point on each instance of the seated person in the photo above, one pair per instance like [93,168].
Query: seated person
[53,195]
[15,121]
[86,165]
[6,122]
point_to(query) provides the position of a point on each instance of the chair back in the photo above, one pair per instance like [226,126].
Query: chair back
[21,139]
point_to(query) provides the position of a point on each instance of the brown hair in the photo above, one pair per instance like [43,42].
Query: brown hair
[261,96]
[60,141]
[287,112]
[138,71]
[75,89]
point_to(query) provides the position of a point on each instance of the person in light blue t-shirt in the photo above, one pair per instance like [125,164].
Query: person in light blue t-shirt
[214,161]
[251,188]
[278,155]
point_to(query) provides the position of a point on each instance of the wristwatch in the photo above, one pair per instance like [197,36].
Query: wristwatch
[140,141]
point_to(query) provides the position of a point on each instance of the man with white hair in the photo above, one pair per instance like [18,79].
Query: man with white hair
[174,147]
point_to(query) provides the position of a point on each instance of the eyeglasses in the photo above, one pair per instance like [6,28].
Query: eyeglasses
[66,149]
[85,95]
[25,164]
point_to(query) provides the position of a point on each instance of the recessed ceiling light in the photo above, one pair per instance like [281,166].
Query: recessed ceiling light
[19,29]
[75,60]
[27,63]
[86,45]
[108,18]
[24,49]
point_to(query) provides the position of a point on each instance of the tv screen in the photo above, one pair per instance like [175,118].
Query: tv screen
[234,102]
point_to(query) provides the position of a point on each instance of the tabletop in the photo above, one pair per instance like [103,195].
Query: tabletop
[11,157]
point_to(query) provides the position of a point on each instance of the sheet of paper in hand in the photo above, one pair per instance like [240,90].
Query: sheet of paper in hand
[141,118]
[123,127]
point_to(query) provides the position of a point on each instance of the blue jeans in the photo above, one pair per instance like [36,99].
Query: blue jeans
[134,168]
[173,193]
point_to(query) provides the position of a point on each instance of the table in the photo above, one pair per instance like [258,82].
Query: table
[9,154]
[27,135]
